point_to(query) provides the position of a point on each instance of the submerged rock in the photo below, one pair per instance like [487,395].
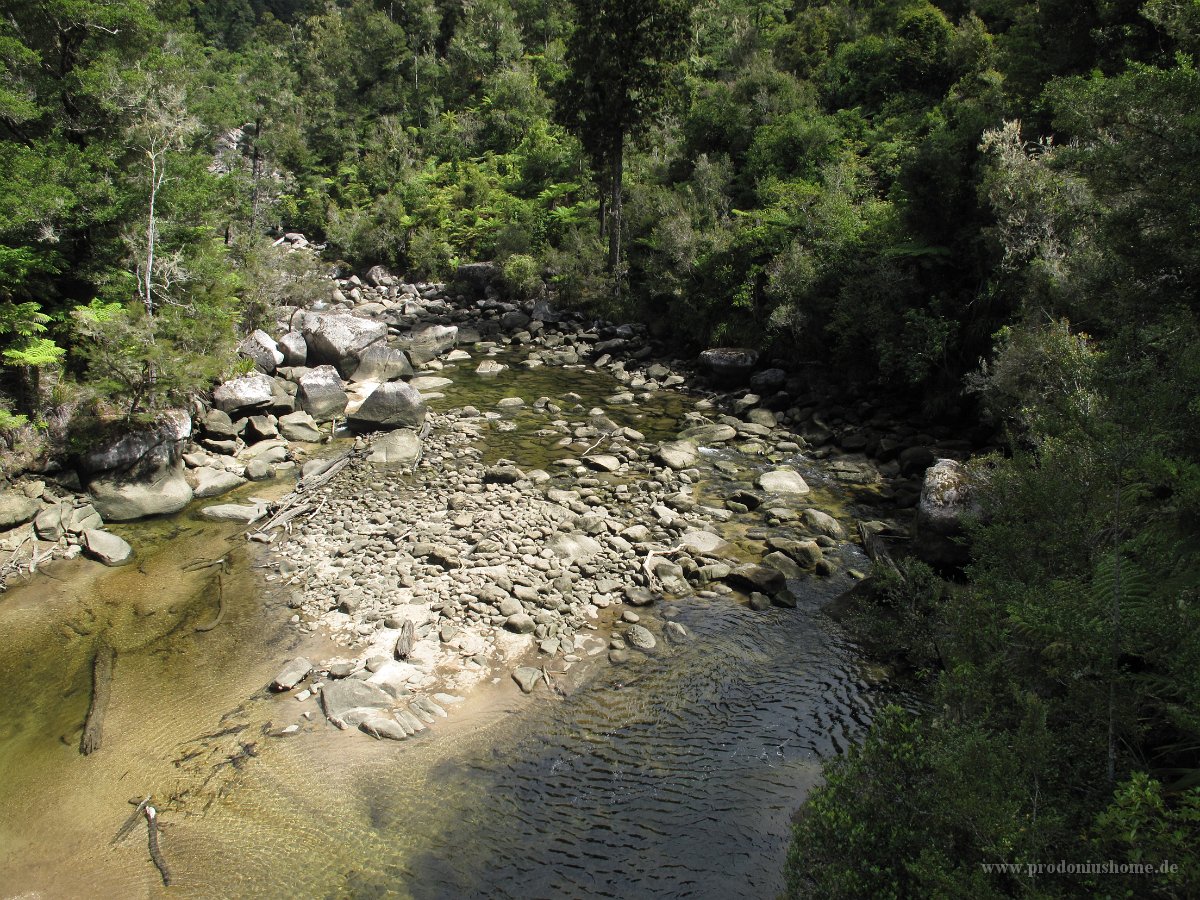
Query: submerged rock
[640,637]
[233,512]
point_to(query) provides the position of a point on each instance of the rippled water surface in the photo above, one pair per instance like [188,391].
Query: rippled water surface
[674,775]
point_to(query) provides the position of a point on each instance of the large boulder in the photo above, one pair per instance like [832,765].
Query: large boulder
[106,547]
[677,454]
[574,548]
[49,522]
[294,349]
[121,497]
[947,500]
[261,348]
[428,342]
[339,339]
[340,698]
[321,394]
[16,509]
[768,380]
[732,365]
[400,449]
[299,426]
[209,481]
[380,362]
[544,312]
[217,424]
[146,447]
[394,404]
[380,277]
[244,395]
[763,579]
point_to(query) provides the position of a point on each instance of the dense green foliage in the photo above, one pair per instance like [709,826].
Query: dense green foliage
[991,203]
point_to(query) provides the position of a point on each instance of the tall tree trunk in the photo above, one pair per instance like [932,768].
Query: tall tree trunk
[151,233]
[255,172]
[614,207]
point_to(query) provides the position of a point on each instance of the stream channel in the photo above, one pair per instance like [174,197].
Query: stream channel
[673,775]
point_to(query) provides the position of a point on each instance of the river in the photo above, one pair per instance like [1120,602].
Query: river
[674,775]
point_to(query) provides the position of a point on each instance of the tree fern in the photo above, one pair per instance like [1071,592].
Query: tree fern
[35,352]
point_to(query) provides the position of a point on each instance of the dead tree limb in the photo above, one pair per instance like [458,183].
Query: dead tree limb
[131,821]
[102,673]
[220,607]
[155,852]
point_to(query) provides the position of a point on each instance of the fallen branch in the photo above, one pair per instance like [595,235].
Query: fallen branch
[13,564]
[220,608]
[131,821]
[604,437]
[653,581]
[155,853]
[199,564]
[102,673]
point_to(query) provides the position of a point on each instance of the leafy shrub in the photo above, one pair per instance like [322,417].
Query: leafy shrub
[522,276]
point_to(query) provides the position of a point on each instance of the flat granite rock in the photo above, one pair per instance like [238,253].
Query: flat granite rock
[293,673]
[380,727]
[106,547]
[340,697]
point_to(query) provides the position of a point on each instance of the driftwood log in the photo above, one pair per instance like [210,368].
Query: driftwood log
[220,607]
[297,503]
[102,673]
[408,636]
[131,821]
[155,852]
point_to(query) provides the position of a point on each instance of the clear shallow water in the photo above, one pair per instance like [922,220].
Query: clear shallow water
[673,776]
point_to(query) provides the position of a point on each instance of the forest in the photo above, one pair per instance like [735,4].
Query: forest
[987,209]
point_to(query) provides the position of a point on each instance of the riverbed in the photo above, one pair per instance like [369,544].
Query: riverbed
[674,774]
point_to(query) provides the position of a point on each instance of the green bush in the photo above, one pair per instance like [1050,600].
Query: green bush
[521,276]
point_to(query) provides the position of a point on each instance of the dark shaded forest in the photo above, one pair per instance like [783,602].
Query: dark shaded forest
[991,206]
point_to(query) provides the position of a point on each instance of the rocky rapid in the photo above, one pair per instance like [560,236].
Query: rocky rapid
[544,618]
